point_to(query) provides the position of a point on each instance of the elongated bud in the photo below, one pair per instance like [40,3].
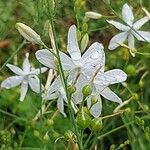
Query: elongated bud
[93,15]
[84,42]
[87,90]
[96,124]
[93,100]
[50,122]
[83,119]
[36,133]
[28,33]
[46,138]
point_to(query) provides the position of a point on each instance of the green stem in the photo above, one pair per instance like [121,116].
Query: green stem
[88,139]
[13,54]
[63,78]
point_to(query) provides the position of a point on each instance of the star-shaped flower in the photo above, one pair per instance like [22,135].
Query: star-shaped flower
[27,76]
[83,66]
[100,87]
[129,31]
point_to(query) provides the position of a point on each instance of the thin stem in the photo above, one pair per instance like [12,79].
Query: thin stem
[88,139]
[13,54]
[63,78]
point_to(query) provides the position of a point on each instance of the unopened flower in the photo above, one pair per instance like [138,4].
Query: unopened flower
[27,76]
[28,33]
[129,31]
[93,15]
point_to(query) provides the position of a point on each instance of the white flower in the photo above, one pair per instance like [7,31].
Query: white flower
[127,32]
[56,91]
[26,76]
[84,65]
[28,33]
[100,87]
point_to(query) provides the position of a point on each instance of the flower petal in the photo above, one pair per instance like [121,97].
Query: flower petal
[26,64]
[46,58]
[66,61]
[110,77]
[15,69]
[24,89]
[96,108]
[117,40]
[145,36]
[94,56]
[138,24]
[73,47]
[60,106]
[131,44]
[38,71]
[34,83]
[127,14]
[11,82]
[118,25]
[110,95]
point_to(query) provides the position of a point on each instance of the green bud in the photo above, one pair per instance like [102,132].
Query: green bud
[83,119]
[112,147]
[136,96]
[141,83]
[50,122]
[68,134]
[84,42]
[96,124]
[71,89]
[93,100]
[84,27]
[46,138]
[131,70]
[36,133]
[87,90]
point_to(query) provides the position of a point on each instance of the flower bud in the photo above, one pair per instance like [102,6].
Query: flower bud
[131,70]
[83,119]
[84,27]
[141,83]
[28,33]
[36,133]
[46,138]
[68,134]
[50,122]
[84,42]
[93,100]
[71,89]
[96,124]
[93,15]
[87,90]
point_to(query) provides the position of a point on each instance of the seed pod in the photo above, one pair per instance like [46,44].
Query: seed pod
[83,119]
[96,124]
[84,42]
[28,33]
[71,89]
[87,90]
[46,138]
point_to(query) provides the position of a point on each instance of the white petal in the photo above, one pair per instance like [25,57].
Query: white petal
[48,96]
[110,95]
[131,41]
[81,82]
[110,77]
[138,24]
[127,14]
[24,89]
[118,25]
[94,56]
[34,83]
[46,58]
[26,64]
[117,40]
[96,108]
[145,36]
[11,82]
[131,44]
[66,61]
[15,69]
[38,71]
[60,106]
[73,47]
